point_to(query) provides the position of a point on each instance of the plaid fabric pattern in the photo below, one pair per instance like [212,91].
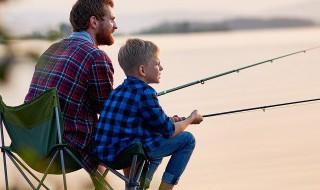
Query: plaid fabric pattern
[83,75]
[131,114]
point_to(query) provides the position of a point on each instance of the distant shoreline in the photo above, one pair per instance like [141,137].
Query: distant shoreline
[188,26]
[226,25]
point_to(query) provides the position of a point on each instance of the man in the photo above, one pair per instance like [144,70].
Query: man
[82,73]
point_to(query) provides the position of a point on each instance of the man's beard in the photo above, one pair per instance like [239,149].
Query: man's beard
[104,39]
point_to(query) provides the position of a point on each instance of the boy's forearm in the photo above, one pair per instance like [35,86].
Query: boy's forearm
[181,126]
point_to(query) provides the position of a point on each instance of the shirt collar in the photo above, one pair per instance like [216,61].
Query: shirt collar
[82,35]
[134,79]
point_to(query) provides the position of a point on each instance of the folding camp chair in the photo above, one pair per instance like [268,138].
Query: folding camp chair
[36,137]
[35,130]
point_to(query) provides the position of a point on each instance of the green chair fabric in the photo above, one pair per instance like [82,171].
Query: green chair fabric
[32,129]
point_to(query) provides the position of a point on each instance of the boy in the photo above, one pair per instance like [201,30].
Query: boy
[132,114]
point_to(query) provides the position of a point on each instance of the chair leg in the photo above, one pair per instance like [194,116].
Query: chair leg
[142,178]
[4,155]
[61,150]
[139,171]
[26,168]
[63,170]
[22,173]
[132,185]
[5,169]
[47,170]
[97,180]
[100,183]
[105,173]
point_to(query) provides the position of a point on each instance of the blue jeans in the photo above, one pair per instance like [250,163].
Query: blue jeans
[180,149]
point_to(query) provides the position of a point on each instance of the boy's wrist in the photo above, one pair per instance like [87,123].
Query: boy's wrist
[189,120]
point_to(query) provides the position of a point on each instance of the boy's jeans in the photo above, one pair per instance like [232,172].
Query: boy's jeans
[180,148]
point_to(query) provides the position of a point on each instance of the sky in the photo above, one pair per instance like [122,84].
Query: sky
[25,16]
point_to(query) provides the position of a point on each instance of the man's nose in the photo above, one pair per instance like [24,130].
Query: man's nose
[115,25]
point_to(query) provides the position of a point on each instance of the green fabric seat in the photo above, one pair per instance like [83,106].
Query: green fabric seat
[33,132]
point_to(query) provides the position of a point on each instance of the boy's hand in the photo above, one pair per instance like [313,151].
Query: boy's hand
[176,118]
[195,117]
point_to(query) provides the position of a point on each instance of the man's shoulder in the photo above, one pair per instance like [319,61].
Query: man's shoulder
[83,44]
[79,46]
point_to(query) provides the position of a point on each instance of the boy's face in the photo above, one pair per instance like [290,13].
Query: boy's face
[153,70]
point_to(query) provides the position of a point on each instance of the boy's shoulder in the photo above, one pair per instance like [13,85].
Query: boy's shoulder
[134,87]
[148,90]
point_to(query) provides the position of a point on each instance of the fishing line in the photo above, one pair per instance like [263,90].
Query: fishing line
[263,108]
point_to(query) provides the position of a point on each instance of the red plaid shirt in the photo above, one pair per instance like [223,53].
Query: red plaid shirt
[83,75]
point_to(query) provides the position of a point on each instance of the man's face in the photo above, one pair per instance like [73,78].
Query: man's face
[153,70]
[106,27]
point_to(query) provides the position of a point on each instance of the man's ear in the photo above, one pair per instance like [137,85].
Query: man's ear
[142,70]
[93,22]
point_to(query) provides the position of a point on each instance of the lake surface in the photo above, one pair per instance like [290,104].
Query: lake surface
[276,149]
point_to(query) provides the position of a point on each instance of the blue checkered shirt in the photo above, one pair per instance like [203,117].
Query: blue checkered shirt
[131,114]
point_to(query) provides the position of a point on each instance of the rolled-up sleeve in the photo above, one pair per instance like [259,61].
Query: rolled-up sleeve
[154,116]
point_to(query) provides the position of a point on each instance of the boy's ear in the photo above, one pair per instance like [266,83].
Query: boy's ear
[142,70]
[93,22]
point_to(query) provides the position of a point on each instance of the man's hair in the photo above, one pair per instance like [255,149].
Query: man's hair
[82,10]
[136,52]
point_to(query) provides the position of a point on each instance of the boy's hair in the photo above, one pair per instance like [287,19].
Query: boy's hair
[136,52]
[82,10]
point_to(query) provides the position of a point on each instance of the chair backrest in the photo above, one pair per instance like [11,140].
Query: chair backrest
[32,128]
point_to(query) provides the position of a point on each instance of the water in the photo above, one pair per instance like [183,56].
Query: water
[277,149]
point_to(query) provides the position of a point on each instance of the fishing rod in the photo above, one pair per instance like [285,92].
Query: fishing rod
[262,107]
[232,71]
